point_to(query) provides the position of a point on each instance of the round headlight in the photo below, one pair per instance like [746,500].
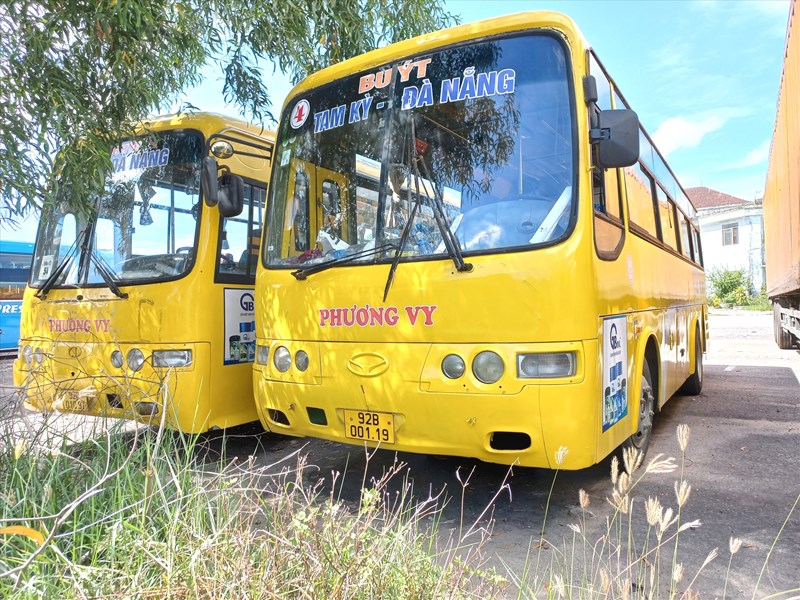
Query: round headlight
[135,359]
[488,367]
[38,355]
[27,354]
[117,359]
[282,359]
[301,360]
[453,366]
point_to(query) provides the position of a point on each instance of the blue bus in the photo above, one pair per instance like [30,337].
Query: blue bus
[15,264]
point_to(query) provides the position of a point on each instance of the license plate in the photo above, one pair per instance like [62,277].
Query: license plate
[369,426]
[72,402]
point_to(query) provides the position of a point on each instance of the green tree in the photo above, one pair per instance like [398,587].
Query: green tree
[76,74]
[731,286]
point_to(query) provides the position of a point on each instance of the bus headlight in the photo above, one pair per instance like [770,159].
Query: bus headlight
[301,360]
[546,365]
[172,358]
[27,354]
[135,359]
[488,367]
[38,355]
[117,360]
[453,366]
[282,359]
[262,354]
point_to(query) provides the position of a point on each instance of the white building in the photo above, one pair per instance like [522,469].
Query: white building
[731,232]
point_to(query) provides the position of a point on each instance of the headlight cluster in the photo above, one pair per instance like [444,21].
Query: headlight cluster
[488,366]
[30,354]
[282,359]
[161,358]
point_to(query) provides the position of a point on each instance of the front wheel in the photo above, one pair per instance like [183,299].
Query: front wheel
[644,431]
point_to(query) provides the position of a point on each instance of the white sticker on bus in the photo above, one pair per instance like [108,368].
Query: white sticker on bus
[615,367]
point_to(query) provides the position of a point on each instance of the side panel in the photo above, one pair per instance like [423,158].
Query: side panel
[782,193]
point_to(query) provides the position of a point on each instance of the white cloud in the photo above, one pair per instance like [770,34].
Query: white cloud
[678,132]
[755,157]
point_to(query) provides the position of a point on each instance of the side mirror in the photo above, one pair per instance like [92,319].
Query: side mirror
[230,195]
[208,180]
[617,138]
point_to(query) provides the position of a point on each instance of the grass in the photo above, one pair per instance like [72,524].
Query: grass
[136,515]
[144,514]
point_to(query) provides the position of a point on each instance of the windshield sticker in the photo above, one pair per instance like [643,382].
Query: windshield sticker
[376,316]
[46,266]
[458,89]
[615,360]
[300,114]
[469,86]
[139,160]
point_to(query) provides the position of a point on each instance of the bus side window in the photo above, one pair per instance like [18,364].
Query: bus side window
[609,230]
[686,244]
[666,213]
[640,200]
[240,237]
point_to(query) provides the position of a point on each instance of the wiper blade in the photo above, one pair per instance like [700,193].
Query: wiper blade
[50,282]
[409,222]
[301,274]
[106,274]
[448,237]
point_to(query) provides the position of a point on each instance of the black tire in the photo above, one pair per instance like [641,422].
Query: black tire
[644,427]
[782,337]
[694,385]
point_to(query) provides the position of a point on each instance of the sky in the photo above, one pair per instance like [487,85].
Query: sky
[703,76]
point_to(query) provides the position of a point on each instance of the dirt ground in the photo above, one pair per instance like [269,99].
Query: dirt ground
[741,461]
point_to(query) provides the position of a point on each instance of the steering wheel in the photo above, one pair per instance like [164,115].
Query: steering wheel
[184,250]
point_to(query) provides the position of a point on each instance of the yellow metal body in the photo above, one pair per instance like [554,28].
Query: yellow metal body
[77,330]
[550,299]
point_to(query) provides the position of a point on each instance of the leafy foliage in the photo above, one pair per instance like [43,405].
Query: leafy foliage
[730,286]
[76,75]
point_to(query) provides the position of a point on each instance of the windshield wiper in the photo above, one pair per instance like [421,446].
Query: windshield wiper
[448,237]
[409,222]
[106,274]
[302,273]
[50,282]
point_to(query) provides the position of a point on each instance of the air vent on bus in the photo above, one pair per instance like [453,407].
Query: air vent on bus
[510,440]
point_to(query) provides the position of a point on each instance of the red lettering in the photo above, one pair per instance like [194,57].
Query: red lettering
[413,313]
[390,316]
[366,83]
[324,315]
[422,67]
[336,317]
[383,78]
[349,316]
[405,70]
[375,316]
[428,310]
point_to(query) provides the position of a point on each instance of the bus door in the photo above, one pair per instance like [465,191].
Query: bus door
[319,204]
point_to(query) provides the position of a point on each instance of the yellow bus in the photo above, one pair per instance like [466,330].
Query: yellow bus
[143,307]
[472,248]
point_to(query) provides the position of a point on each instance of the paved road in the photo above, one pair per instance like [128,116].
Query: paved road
[742,461]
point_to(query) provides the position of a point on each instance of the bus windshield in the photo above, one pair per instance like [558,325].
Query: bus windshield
[144,227]
[475,139]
